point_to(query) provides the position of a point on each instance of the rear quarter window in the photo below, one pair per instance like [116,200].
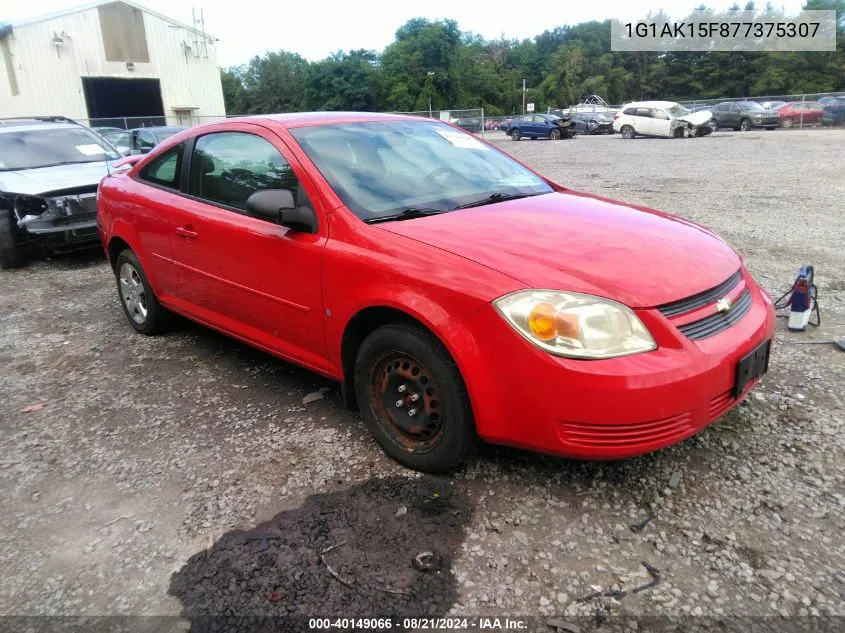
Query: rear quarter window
[164,170]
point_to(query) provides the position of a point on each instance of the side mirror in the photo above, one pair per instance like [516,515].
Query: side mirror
[277,205]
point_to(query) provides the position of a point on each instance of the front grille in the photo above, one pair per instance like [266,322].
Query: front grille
[715,323]
[694,302]
[627,435]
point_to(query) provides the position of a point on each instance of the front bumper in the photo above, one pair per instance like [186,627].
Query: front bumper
[605,409]
[765,122]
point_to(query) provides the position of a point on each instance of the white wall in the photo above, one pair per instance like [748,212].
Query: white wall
[49,81]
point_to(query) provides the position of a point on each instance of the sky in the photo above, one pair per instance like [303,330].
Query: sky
[316,28]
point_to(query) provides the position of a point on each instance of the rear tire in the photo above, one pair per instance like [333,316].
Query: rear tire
[140,304]
[787,122]
[413,399]
[10,252]
[515,135]
[628,132]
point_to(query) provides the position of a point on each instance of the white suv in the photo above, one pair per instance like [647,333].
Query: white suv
[660,118]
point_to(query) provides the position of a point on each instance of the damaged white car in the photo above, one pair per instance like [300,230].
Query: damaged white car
[50,168]
[661,118]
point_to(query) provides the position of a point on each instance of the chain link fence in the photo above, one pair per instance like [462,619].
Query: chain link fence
[472,120]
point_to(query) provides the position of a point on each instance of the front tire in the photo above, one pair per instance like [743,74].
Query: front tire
[745,125]
[554,134]
[10,252]
[515,135]
[628,132]
[140,304]
[413,399]
[714,125]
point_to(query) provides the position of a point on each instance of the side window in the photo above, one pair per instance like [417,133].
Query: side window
[644,112]
[734,107]
[723,107]
[165,169]
[630,111]
[660,114]
[228,167]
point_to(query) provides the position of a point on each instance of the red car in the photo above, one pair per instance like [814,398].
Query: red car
[800,113]
[452,291]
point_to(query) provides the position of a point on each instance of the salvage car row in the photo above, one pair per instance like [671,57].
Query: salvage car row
[671,119]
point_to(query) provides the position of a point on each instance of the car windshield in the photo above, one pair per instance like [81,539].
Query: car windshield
[750,105]
[677,110]
[119,139]
[33,148]
[380,169]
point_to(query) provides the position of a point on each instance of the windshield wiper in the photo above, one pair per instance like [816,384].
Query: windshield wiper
[497,197]
[405,214]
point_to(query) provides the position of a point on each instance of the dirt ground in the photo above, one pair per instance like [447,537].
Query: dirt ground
[183,475]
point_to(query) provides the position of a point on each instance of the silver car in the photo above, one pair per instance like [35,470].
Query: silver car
[50,168]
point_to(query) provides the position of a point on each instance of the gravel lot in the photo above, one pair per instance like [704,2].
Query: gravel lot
[183,475]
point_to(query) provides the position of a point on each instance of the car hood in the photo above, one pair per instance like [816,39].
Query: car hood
[583,243]
[48,179]
[697,118]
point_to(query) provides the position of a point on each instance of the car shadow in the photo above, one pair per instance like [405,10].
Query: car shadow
[348,553]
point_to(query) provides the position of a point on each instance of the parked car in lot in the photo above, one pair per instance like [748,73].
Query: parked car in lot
[834,110]
[49,170]
[660,118]
[800,113]
[537,125]
[450,289]
[592,123]
[743,115]
[140,140]
[470,124]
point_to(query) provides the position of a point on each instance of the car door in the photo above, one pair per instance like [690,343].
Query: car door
[659,124]
[722,114]
[156,214]
[248,276]
[641,121]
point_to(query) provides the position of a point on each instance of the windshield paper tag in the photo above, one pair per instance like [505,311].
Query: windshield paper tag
[461,140]
[90,150]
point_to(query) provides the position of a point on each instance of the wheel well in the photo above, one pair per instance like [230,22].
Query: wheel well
[359,328]
[116,246]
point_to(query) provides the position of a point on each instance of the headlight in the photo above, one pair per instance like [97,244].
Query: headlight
[575,325]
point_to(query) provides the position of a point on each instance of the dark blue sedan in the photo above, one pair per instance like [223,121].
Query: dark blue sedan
[540,126]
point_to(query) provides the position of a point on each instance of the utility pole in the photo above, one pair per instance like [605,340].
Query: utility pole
[429,81]
[523,96]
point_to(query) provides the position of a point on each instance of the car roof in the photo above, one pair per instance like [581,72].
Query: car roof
[158,128]
[18,125]
[650,104]
[303,119]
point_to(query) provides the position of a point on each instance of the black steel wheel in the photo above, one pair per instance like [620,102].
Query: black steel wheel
[413,399]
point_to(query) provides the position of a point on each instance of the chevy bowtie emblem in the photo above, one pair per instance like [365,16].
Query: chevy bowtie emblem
[724,304]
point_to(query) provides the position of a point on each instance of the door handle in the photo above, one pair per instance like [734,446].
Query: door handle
[187,232]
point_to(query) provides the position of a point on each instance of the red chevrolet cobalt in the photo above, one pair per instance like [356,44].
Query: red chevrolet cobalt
[453,292]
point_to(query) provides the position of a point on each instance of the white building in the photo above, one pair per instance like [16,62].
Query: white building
[107,60]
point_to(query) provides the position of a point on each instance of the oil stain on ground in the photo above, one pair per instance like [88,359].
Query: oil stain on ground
[348,553]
